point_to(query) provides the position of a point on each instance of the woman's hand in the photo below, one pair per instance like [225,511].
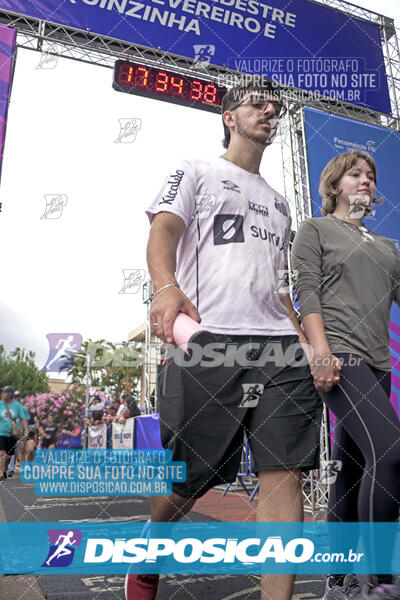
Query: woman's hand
[325,369]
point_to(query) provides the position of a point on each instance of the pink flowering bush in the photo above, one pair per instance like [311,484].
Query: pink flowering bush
[65,407]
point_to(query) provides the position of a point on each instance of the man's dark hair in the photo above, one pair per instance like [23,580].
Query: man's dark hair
[233,97]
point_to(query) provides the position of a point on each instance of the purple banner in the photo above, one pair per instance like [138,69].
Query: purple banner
[148,432]
[8,37]
[68,442]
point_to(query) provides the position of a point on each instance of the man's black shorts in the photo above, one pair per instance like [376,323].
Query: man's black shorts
[204,410]
[8,444]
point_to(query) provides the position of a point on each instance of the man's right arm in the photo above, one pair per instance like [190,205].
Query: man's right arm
[165,233]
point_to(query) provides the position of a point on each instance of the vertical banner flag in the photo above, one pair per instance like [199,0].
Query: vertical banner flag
[122,435]
[8,38]
[148,432]
[328,135]
[97,437]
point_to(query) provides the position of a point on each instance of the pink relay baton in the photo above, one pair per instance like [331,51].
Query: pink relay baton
[186,330]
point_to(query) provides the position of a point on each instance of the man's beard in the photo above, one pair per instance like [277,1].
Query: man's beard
[260,140]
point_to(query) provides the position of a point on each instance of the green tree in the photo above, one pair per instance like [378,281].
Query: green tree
[112,368]
[18,368]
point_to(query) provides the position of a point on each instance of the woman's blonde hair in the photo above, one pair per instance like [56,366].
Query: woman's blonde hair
[332,174]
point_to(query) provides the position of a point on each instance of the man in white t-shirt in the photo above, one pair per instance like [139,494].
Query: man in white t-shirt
[218,252]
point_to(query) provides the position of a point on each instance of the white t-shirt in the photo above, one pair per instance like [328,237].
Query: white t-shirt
[121,409]
[233,252]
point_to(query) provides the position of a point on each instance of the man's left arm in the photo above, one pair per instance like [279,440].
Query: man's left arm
[287,302]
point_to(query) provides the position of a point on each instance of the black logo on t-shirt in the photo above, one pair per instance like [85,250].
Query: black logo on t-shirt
[281,207]
[228,229]
[229,185]
[174,181]
[258,208]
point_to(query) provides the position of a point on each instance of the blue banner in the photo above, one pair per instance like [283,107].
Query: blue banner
[148,431]
[301,44]
[328,135]
[103,472]
[198,548]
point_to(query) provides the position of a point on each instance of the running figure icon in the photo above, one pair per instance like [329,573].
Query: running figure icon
[63,347]
[62,549]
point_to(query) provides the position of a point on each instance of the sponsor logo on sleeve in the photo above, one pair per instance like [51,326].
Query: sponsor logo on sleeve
[174,182]
[281,207]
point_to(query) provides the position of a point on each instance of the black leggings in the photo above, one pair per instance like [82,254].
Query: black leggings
[367,444]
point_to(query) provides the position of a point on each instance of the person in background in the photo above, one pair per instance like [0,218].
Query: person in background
[31,443]
[9,410]
[110,415]
[116,404]
[75,434]
[132,409]
[123,405]
[347,278]
[16,458]
[97,411]
[49,433]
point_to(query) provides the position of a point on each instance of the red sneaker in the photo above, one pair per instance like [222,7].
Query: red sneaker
[141,587]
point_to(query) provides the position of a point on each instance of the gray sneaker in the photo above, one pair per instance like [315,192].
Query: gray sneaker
[350,590]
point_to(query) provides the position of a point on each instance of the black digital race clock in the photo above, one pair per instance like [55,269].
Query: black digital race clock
[160,84]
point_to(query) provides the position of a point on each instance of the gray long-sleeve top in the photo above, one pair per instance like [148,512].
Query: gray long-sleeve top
[352,281]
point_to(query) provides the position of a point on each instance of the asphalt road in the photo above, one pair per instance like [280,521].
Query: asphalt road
[19,503]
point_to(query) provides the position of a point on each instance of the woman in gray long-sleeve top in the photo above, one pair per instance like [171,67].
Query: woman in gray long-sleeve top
[346,280]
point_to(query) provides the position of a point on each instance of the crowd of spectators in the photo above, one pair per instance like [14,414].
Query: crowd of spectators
[46,434]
